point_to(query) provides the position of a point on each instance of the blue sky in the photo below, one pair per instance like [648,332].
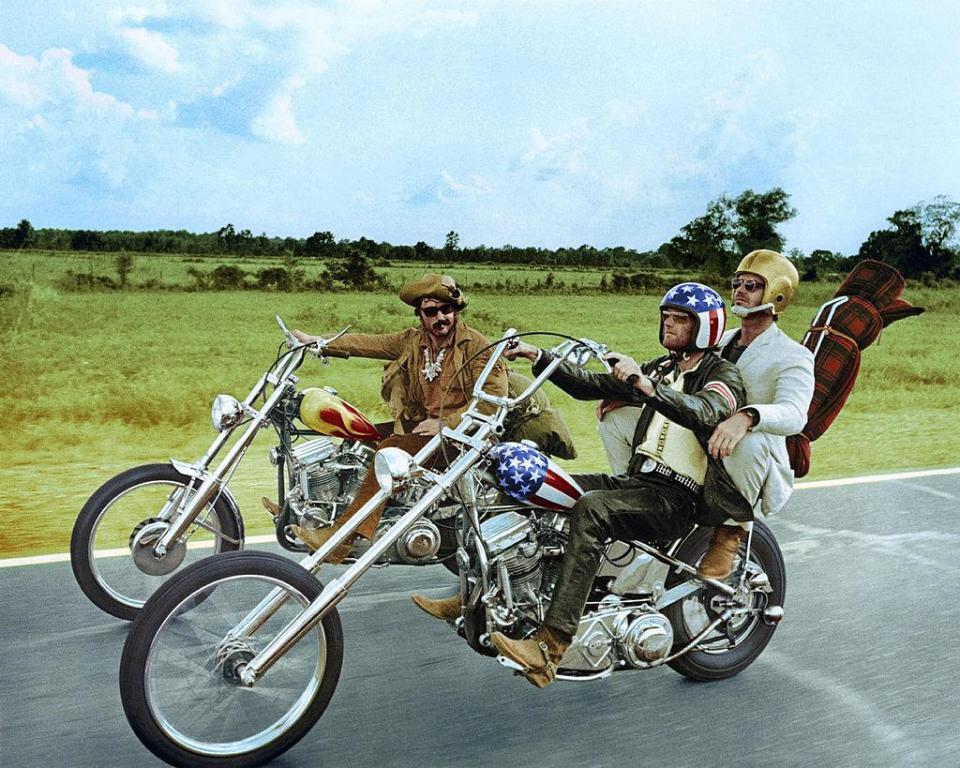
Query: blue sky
[530,123]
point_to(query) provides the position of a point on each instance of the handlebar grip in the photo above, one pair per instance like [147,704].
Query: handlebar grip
[327,352]
[633,379]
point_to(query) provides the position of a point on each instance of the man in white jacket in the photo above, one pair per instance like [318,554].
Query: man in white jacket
[778,376]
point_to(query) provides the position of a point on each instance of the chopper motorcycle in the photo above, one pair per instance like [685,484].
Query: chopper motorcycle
[147,522]
[235,658]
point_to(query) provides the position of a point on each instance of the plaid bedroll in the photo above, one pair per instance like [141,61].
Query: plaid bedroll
[867,301]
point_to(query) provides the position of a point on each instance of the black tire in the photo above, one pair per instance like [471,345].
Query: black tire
[126,588]
[173,616]
[751,634]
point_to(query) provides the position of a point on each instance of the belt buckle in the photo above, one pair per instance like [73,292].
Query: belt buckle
[649,465]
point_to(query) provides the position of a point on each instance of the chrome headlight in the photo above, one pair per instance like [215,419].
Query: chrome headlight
[392,468]
[226,412]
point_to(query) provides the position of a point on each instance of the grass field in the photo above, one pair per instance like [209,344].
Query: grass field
[98,382]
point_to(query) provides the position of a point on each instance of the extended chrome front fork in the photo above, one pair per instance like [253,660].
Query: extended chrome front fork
[337,589]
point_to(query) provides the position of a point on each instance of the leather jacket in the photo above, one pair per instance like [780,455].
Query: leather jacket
[697,408]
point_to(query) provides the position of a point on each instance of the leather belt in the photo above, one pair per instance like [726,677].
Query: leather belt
[652,465]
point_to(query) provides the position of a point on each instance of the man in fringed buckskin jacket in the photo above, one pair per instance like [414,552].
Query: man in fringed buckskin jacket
[683,396]
[423,380]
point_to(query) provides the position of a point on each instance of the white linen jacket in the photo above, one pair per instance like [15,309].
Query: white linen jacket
[778,376]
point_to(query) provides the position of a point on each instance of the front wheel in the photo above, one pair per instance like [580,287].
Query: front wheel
[182,661]
[732,648]
[111,545]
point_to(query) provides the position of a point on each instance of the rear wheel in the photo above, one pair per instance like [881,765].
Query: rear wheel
[180,673]
[730,648]
[113,537]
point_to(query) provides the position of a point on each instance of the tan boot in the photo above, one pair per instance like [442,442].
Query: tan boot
[315,538]
[539,655]
[271,506]
[445,609]
[718,562]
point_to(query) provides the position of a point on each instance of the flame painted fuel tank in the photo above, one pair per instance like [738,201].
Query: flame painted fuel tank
[328,414]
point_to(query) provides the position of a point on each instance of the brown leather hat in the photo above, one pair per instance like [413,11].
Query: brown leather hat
[433,286]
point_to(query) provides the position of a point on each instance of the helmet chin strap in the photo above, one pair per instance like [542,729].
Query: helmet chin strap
[747,311]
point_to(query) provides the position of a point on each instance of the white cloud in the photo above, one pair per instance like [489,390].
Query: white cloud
[151,48]
[277,121]
[137,14]
[19,80]
[54,81]
[559,152]
[60,128]
[478,186]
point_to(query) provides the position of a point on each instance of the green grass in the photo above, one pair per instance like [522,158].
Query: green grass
[99,382]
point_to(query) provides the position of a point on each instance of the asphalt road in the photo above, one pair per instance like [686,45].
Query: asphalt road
[864,670]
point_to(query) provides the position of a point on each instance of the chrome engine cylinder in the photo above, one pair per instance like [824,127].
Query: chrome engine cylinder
[316,473]
[511,538]
[355,460]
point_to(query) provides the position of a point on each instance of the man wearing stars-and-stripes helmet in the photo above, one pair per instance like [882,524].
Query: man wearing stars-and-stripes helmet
[683,396]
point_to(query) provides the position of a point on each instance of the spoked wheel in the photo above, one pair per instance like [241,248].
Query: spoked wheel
[180,673]
[111,549]
[732,647]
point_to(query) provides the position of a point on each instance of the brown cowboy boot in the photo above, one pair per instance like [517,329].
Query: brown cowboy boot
[315,538]
[538,655]
[445,608]
[718,562]
[271,506]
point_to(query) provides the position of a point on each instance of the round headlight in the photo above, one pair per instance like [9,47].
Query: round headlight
[226,412]
[392,468]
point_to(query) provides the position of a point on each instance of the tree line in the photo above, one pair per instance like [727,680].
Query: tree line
[921,241]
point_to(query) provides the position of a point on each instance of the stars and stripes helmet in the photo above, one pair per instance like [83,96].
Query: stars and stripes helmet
[527,475]
[706,306]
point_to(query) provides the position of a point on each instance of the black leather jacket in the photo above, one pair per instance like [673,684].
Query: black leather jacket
[696,408]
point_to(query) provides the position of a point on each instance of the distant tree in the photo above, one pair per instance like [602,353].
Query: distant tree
[423,251]
[353,272]
[227,239]
[86,240]
[25,235]
[451,244]
[819,263]
[320,245]
[904,247]
[730,228]
[757,216]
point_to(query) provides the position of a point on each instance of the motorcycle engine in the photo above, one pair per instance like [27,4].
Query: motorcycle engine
[318,476]
[327,475]
[513,549]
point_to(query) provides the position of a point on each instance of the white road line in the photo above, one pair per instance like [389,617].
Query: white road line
[876,478]
[64,557]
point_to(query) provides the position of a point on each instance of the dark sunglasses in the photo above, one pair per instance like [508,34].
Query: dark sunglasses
[750,285]
[446,309]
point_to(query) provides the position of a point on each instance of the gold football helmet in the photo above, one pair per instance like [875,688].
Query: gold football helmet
[780,276]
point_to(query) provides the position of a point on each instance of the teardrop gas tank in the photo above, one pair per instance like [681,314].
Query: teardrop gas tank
[328,414]
[529,476]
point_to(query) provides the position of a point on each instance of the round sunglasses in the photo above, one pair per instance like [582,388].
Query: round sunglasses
[750,285]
